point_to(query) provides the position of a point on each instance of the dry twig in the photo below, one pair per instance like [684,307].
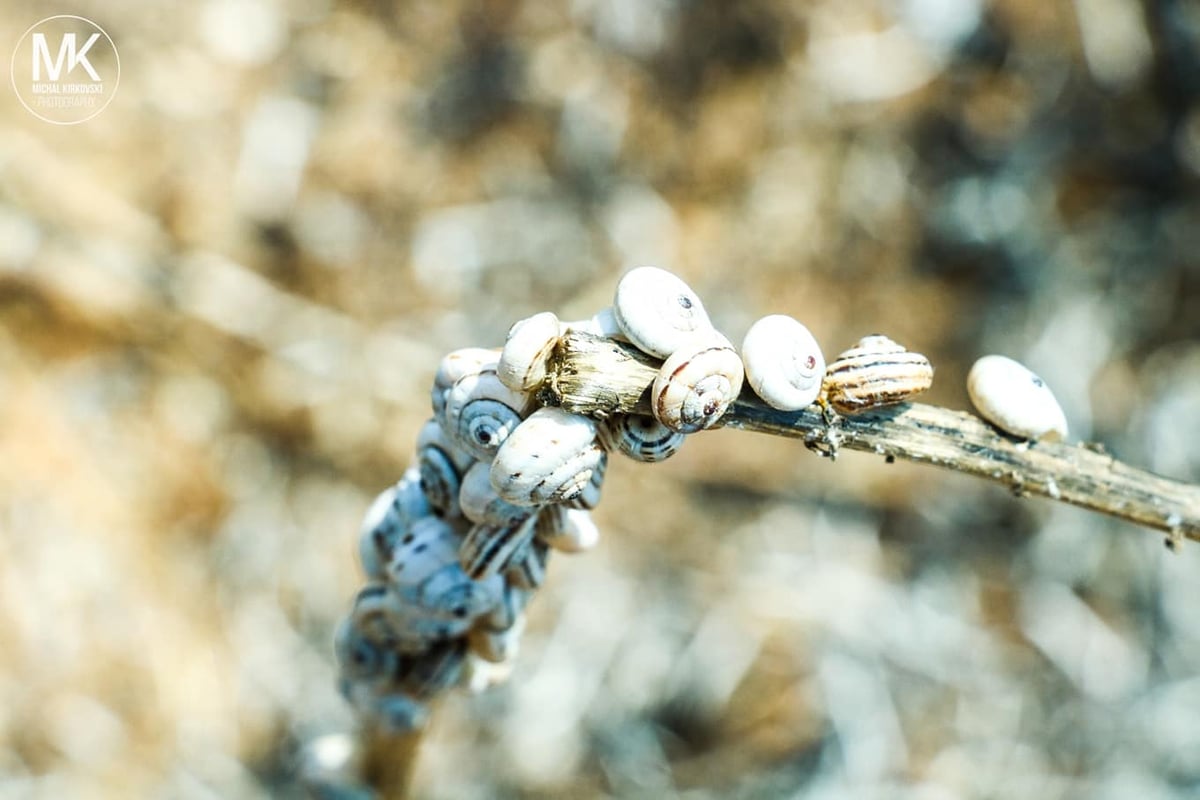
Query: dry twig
[597,376]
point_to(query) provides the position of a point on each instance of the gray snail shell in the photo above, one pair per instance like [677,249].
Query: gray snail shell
[697,384]
[389,707]
[549,458]
[527,570]
[481,503]
[657,311]
[361,657]
[527,349]
[497,646]
[511,606]
[875,372]
[1011,397]
[568,530]
[455,599]
[458,364]
[489,548]
[481,412]
[426,675]
[441,465]
[382,616]
[784,363]
[639,437]
[389,518]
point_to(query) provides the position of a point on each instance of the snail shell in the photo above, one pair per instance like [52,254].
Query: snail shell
[361,657]
[602,323]
[784,364]
[441,465]
[1014,399]
[390,708]
[568,530]
[432,672]
[875,372]
[657,311]
[505,613]
[522,365]
[489,548]
[430,544]
[481,412]
[696,385]
[381,616]
[481,503]
[389,518]
[549,458]
[589,497]
[527,569]
[458,364]
[497,646]
[639,437]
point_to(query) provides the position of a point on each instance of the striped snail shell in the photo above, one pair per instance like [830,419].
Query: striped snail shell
[388,518]
[481,503]
[458,364]
[589,497]
[697,383]
[511,606]
[527,349]
[441,464]
[527,569]
[1011,397]
[784,364]
[568,530]
[430,544]
[639,437]
[454,599]
[657,311]
[549,458]
[875,372]
[481,412]
[490,548]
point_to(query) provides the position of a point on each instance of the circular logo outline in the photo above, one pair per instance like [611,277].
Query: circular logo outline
[12,69]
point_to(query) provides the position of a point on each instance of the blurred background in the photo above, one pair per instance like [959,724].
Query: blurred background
[223,299]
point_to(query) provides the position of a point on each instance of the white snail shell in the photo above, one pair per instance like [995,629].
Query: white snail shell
[428,545]
[568,530]
[639,437]
[1014,399]
[875,372]
[602,323]
[697,383]
[589,496]
[549,458]
[441,464]
[490,548]
[458,364]
[522,364]
[481,412]
[657,311]
[481,503]
[784,363]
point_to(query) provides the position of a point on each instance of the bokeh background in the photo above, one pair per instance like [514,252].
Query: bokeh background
[222,302]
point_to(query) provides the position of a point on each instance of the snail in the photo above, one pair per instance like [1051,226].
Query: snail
[522,364]
[441,465]
[424,570]
[1014,399]
[875,372]
[589,497]
[784,364]
[361,657]
[696,385]
[639,437]
[550,457]
[439,668]
[391,708]
[382,616]
[497,646]
[527,569]
[481,503]
[505,613]
[657,311]
[456,365]
[388,518]
[569,530]
[602,323]
[490,548]
[481,412]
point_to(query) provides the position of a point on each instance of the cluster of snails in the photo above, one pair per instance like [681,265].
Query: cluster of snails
[455,550]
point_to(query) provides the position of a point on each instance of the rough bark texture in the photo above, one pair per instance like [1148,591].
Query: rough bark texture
[597,377]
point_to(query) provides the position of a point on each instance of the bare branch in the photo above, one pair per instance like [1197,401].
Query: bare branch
[597,377]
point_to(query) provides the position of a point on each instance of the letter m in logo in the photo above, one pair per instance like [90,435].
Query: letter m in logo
[66,52]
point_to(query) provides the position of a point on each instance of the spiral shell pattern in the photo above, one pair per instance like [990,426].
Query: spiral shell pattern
[481,412]
[639,437]
[489,548]
[697,384]
[522,364]
[875,372]
[784,363]
[657,311]
[549,458]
